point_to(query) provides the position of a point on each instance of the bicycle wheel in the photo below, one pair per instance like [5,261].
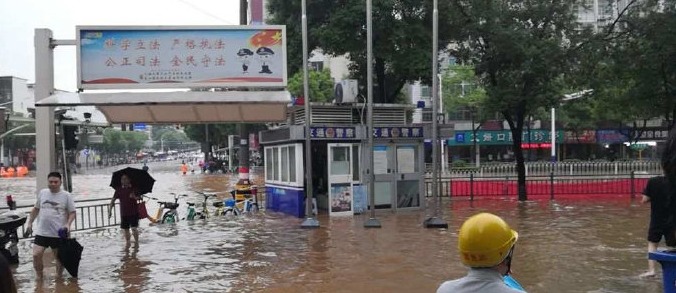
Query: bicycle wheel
[169,218]
[253,207]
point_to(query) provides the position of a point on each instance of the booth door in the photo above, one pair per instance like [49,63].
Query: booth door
[383,170]
[340,179]
[409,181]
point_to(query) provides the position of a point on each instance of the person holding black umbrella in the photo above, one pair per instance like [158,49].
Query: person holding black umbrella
[128,208]
[129,184]
[56,209]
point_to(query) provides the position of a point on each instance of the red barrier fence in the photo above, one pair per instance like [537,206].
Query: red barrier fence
[552,186]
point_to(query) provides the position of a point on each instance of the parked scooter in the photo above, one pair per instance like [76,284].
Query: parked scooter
[9,239]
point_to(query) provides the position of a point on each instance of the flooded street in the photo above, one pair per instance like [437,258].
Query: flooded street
[564,246]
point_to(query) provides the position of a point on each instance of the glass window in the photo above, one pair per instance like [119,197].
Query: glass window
[285,164]
[269,163]
[275,159]
[292,163]
[407,159]
[340,164]
[356,172]
[425,91]
[408,194]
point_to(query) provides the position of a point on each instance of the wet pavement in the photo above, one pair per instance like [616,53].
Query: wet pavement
[565,246]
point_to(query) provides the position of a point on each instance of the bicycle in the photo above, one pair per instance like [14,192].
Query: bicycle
[204,214]
[171,216]
[248,205]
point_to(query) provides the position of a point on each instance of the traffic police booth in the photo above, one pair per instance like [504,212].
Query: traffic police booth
[338,160]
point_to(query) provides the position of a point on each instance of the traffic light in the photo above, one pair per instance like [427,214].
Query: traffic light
[70,136]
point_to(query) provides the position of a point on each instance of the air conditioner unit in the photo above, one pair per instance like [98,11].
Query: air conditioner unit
[346,91]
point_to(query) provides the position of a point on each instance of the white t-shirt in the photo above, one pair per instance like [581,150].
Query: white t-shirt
[54,210]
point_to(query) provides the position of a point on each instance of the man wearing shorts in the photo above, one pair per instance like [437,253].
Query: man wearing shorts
[128,209]
[56,210]
[658,193]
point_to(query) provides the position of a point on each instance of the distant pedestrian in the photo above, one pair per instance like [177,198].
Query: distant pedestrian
[56,211]
[145,167]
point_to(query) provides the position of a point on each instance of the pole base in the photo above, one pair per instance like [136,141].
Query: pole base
[435,222]
[310,223]
[372,223]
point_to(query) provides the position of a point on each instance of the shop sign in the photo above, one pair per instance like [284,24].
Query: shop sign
[581,136]
[502,137]
[611,136]
[651,134]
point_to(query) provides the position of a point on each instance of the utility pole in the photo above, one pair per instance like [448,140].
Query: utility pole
[242,127]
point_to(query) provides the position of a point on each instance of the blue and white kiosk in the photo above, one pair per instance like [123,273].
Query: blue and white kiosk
[338,160]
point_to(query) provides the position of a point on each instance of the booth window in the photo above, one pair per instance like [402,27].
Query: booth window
[268,165]
[292,163]
[280,164]
[285,164]
[275,160]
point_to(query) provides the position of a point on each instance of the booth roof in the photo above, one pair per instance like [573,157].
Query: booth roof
[180,107]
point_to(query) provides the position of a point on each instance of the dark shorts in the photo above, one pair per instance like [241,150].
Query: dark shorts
[43,241]
[655,235]
[129,221]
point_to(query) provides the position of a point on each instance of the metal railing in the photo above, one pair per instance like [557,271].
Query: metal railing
[93,213]
[559,168]
[550,186]
[88,216]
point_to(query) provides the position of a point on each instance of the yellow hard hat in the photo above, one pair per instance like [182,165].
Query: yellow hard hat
[485,240]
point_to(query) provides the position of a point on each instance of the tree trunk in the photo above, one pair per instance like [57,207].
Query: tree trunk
[517,134]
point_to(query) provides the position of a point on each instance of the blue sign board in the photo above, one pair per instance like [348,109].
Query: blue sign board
[460,137]
[398,132]
[139,126]
[333,132]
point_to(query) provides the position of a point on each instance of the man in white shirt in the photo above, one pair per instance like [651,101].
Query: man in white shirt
[56,210]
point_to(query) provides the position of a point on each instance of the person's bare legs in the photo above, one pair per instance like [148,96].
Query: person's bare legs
[57,264]
[127,236]
[134,232]
[38,252]
[652,247]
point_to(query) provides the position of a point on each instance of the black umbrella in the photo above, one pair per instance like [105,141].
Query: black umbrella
[70,253]
[140,180]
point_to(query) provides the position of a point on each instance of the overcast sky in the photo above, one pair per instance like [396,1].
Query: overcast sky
[18,20]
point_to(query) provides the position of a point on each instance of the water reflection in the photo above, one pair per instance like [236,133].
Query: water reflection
[134,273]
[564,246]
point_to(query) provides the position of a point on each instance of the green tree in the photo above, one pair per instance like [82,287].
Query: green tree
[117,142]
[522,51]
[461,88]
[320,84]
[635,79]
[402,39]
[218,133]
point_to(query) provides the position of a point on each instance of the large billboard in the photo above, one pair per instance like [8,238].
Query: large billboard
[181,57]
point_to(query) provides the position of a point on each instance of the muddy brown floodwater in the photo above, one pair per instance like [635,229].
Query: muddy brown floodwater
[564,246]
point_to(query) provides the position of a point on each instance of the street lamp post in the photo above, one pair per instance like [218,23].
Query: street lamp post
[310,221]
[435,220]
[372,222]
[566,98]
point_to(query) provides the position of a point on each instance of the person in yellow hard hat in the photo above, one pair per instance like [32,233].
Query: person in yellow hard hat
[486,244]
